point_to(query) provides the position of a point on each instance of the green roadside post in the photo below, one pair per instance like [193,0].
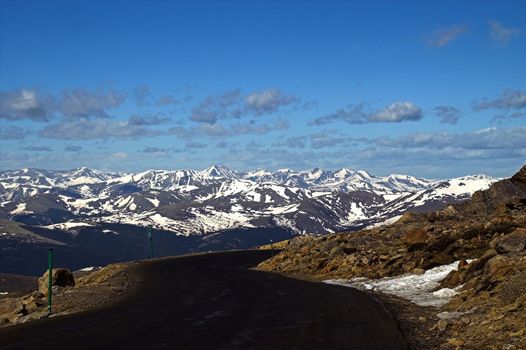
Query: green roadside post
[150,243]
[50,279]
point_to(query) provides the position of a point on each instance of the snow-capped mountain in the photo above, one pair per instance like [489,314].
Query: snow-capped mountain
[218,199]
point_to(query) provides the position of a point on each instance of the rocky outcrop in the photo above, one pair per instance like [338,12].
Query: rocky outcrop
[500,196]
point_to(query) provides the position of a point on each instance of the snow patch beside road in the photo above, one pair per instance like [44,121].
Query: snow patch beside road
[419,289]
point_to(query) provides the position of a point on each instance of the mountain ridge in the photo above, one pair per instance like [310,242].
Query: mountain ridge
[217,198]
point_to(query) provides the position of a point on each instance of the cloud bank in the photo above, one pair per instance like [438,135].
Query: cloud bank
[394,113]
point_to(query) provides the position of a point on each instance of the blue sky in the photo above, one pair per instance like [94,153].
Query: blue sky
[433,89]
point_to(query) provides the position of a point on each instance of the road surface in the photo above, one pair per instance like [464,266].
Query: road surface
[215,301]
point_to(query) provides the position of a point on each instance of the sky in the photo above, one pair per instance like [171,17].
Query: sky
[435,89]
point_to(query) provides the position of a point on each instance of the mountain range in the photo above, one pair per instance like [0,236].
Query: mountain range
[91,217]
[216,199]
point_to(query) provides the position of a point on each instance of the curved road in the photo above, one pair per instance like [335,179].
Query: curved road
[215,301]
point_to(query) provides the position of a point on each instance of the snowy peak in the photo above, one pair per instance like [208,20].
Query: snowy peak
[343,173]
[218,171]
[463,186]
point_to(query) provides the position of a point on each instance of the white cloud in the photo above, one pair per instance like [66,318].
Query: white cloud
[446,35]
[267,101]
[501,34]
[394,113]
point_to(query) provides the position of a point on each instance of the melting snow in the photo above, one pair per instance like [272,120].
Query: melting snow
[419,289]
[355,213]
[109,231]
[256,196]
[280,190]
[154,201]
[68,225]
[385,222]
[87,269]
[20,208]
[83,180]
[236,208]
[283,210]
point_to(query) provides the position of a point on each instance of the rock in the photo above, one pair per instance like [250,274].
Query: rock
[514,242]
[442,325]
[418,271]
[409,217]
[520,176]
[462,264]
[32,305]
[465,321]
[415,236]
[455,342]
[454,278]
[520,333]
[336,251]
[11,310]
[409,266]
[33,316]
[449,211]
[61,277]
[11,306]
[497,267]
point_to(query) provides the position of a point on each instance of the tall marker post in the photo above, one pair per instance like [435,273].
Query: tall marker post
[50,279]
[150,243]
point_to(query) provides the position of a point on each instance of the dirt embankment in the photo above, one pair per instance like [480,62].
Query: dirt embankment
[86,292]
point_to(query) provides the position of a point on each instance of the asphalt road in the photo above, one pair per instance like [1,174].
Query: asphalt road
[215,301]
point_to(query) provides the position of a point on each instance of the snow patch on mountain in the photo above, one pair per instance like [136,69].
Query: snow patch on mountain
[65,226]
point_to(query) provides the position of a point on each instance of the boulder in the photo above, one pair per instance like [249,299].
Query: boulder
[498,267]
[416,236]
[409,216]
[61,277]
[514,242]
